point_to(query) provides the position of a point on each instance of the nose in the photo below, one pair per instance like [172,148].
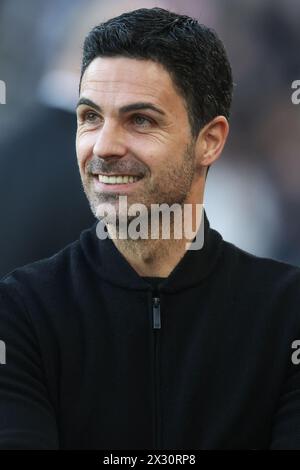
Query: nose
[110,141]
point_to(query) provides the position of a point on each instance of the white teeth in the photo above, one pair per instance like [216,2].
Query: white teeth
[117,179]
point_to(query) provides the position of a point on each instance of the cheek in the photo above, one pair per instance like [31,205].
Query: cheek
[148,149]
[84,149]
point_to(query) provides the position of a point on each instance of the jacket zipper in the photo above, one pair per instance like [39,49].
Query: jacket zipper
[156,313]
[156,327]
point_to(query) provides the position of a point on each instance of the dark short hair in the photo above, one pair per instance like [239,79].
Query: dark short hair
[192,53]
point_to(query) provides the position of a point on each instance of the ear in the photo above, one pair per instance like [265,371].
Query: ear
[211,140]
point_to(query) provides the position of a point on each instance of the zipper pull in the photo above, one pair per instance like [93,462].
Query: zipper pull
[156,313]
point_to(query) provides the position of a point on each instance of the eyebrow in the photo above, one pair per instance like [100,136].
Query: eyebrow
[141,105]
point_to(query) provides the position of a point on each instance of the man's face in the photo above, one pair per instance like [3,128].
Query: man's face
[132,121]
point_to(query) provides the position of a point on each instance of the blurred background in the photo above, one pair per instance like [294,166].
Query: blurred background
[253,191]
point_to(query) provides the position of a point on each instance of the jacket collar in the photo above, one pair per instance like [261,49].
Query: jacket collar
[104,258]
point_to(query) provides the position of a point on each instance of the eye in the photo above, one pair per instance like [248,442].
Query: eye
[87,116]
[90,116]
[142,121]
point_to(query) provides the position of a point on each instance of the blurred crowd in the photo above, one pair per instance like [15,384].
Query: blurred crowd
[253,191]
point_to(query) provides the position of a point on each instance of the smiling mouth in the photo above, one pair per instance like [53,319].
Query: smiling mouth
[118,179]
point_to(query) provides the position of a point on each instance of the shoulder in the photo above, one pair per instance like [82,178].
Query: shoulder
[40,271]
[260,273]
[49,275]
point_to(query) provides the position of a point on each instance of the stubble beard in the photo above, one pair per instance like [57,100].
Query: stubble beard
[172,187]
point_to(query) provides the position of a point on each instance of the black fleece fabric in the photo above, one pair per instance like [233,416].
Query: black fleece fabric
[96,359]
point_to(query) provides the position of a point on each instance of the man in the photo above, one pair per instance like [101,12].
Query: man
[149,343]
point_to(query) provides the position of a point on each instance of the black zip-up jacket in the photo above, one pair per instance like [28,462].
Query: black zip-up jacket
[91,359]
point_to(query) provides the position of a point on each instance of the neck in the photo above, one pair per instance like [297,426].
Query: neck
[157,257]
[153,258]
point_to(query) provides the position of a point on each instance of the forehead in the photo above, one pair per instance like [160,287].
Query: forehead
[119,79]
